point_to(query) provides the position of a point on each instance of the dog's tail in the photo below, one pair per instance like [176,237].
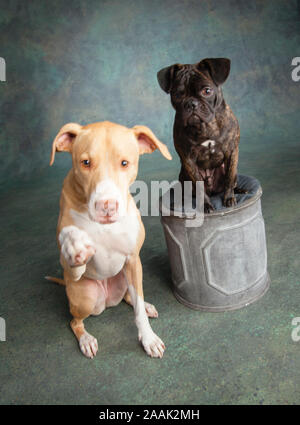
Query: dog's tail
[56,280]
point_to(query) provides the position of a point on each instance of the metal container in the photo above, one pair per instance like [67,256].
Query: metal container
[221,265]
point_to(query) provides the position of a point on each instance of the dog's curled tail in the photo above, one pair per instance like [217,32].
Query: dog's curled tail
[56,280]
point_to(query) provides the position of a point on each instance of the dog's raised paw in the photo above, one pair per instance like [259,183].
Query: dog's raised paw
[151,310]
[88,345]
[76,246]
[152,344]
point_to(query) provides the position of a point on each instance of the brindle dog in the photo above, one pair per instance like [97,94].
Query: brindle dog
[206,133]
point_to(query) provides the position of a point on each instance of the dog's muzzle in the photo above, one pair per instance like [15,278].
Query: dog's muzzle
[195,111]
[107,211]
[106,204]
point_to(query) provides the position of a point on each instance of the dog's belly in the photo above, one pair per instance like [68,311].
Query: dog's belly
[111,291]
[113,242]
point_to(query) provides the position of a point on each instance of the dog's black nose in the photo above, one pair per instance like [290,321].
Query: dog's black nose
[192,104]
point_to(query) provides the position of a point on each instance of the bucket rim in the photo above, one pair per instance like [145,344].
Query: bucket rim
[226,211]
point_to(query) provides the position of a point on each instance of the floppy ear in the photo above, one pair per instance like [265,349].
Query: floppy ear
[148,142]
[165,77]
[218,69]
[64,140]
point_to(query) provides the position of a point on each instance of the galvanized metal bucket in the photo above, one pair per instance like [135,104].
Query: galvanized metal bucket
[221,265]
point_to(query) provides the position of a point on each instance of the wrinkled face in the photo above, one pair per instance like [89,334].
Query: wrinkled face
[105,163]
[105,160]
[194,96]
[195,89]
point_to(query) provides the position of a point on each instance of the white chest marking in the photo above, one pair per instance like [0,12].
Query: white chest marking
[113,242]
[209,144]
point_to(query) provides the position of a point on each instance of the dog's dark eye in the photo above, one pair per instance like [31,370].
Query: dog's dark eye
[86,163]
[124,163]
[207,91]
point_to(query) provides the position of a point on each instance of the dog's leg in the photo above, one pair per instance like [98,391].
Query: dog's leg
[76,250]
[150,308]
[87,343]
[208,207]
[191,169]
[83,297]
[231,163]
[152,344]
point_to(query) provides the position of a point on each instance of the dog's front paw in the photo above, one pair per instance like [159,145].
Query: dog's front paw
[88,345]
[152,344]
[229,199]
[76,246]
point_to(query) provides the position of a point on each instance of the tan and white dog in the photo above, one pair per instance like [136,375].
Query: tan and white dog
[100,231]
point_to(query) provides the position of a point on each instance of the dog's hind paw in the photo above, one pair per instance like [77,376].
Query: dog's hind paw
[151,310]
[88,345]
[239,190]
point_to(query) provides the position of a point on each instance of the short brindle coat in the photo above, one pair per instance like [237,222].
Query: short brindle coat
[206,132]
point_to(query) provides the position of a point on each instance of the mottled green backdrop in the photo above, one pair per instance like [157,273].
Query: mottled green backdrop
[97,60]
[94,60]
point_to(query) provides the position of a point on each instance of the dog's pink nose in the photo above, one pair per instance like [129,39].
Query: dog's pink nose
[107,208]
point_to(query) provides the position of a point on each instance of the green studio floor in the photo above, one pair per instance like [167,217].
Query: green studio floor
[245,356]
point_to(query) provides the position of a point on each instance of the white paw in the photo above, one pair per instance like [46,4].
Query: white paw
[152,344]
[88,345]
[150,310]
[76,246]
